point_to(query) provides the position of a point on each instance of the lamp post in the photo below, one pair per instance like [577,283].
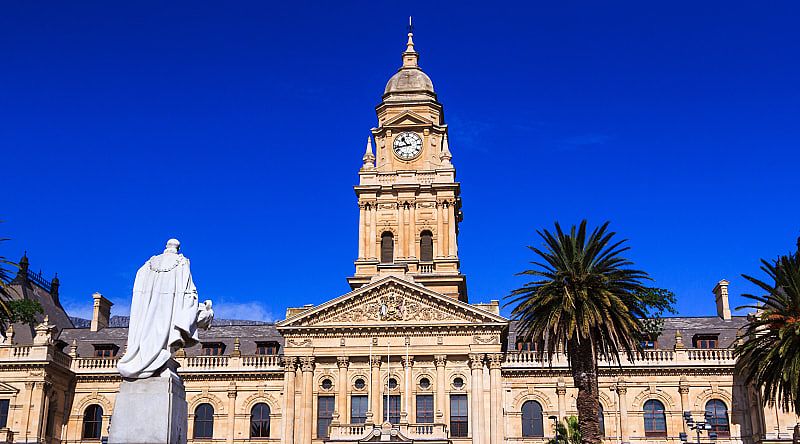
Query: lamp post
[697,426]
[554,418]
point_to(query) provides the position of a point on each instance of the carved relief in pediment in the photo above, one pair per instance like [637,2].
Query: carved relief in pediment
[390,305]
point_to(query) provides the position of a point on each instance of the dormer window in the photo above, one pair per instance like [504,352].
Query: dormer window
[267,348]
[105,350]
[526,346]
[705,341]
[213,349]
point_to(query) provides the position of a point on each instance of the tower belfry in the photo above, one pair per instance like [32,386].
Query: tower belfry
[409,200]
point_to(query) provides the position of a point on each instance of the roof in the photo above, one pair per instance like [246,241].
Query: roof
[689,326]
[248,335]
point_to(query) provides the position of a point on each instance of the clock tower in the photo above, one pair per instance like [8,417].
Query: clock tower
[408,198]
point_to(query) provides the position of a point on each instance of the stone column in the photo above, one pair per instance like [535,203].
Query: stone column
[622,391]
[561,391]
[683,389]
[375,388]
[408,363]
[412,251]
[307,365]
[289,371]
[440,234]
[373,212]
[445,228]
[361,230]
[476,410]
[495,398]
[441,392]
[232,413]
[453,250]
[401,234]
[343,362]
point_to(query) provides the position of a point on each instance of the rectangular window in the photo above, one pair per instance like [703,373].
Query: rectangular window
[459,419]
[105,350]
[267,348]
[213,348]
[358,409]
[424,409]
[3,413]
[324,415]
[706,341]
[394,409]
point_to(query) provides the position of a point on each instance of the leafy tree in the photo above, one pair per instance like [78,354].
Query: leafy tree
[587,301]
[14,310]
[768,352]
[569,432]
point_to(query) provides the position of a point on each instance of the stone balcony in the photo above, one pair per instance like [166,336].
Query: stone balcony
[191,364]
[688,357]
[404,432]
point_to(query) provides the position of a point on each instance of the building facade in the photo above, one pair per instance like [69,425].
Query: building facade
[403,357]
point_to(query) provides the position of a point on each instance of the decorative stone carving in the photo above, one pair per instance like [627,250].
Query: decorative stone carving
[307,363]
[342,362]
[495,360]
[375,361]
[304,343]
[289,363]
[439,360]
[493,339]
[476,361]
[408,361]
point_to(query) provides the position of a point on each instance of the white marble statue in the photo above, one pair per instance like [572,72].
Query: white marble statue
[165,314]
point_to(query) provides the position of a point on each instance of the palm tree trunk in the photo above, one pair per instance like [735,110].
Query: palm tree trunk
[584,375]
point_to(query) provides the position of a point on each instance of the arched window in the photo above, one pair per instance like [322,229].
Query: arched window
[259,421]
[602,419]
[717,417]
[532,421]
[426,246]
[92,422]
[387,247]
[655,421]
[204,421]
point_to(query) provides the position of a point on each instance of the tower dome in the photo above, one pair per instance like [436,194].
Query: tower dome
[409,82]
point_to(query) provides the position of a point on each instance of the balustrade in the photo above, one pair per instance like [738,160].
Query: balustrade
[680,357]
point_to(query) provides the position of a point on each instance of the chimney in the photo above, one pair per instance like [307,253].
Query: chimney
[721,295]
[101,313]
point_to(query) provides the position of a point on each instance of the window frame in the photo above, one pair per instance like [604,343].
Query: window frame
[97,421]
[426,252]
[5,405]
[215,345]
[101,349]
[387,247]
[706,341]
[261,421]
[530,420]
[656,415]
[715,420]
[459,424]
[206,423]
[263,348]
[362,416]
[325,417]
[394,408]
[427,411]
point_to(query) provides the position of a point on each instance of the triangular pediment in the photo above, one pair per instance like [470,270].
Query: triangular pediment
[7,389]
[407,118]
[391,301]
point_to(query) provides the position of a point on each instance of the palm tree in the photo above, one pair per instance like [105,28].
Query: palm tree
[586,301]
[768,352]
[569,432]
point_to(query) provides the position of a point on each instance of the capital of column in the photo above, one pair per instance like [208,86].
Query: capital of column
[289,363]
[683,389]
[495,360]
[307,363]
[375,361]
[561,391]
[408,361]
[232,390]
[343,361]
[439,360]
[476,361]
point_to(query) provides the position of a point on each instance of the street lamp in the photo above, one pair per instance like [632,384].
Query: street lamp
[697,426]
[554,418]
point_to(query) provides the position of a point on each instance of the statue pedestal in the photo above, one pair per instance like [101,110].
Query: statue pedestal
[151,410]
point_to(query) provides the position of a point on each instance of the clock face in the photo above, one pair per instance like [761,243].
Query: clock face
[407,145]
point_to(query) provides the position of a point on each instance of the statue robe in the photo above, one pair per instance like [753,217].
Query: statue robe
[163,315]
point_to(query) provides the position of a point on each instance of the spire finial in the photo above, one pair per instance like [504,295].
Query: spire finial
[410,56]
[369,158]
[445,155]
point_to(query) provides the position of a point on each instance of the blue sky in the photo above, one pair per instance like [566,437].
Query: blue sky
[238,127]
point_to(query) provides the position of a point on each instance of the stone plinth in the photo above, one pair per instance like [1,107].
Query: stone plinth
[151,411]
